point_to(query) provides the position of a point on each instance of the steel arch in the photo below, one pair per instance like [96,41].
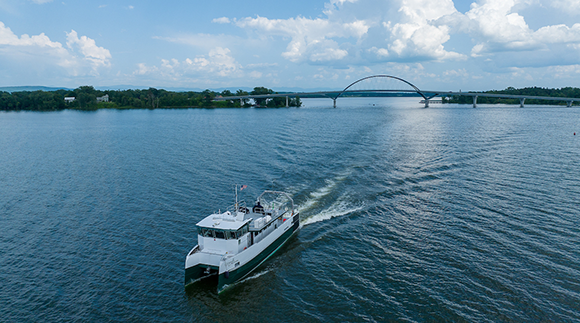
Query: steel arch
[386,76]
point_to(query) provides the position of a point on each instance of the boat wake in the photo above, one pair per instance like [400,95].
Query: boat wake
[318,198]
[336,210]
[254,276]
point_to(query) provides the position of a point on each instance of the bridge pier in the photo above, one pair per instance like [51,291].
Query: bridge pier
[475,101]
[286,101]
[570,104]
[334,103]
[426,103]
[522,100]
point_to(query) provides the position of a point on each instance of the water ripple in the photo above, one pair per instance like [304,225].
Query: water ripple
[441,214]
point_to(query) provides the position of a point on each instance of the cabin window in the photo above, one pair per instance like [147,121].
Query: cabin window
[219,234]
[231,235]
[208,233]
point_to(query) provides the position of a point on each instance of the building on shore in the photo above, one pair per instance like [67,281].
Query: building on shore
[104,98]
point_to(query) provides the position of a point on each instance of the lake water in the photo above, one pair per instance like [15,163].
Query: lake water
[441,214]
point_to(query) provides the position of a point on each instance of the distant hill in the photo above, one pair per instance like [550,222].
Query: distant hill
[11,89]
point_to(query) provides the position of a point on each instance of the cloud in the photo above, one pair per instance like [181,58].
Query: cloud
[565,71]
[497,27]
[352,30]
[558,34]
[81,56]
[361,32]
[222,20]
[311,39]
[41,1]
[8,38]
[255,74]
[415,35]
[35,49]
[97,56]
[456,73]
[260,65]
[218,63]
[568,6]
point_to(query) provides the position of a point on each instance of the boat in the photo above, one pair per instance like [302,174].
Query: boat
[233,243]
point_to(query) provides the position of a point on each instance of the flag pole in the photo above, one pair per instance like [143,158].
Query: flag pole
[236,197]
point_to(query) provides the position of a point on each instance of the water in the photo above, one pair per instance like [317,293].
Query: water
[441,214]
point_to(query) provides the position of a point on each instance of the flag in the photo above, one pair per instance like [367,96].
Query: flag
[243,186]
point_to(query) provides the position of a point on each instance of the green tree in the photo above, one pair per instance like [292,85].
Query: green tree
[246,102]
[207,98]
[261,91]
[153,98]
[227,93]
[295,102]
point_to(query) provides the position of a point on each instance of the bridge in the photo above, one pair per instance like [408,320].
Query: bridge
[392,86]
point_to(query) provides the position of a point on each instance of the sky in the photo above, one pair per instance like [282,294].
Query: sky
[301,44]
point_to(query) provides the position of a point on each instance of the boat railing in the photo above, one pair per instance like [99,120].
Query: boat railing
[279,193]
[238,207]
[194,250]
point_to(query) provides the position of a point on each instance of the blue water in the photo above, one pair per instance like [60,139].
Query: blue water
[441,214]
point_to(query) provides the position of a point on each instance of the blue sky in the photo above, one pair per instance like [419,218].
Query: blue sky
[435,44]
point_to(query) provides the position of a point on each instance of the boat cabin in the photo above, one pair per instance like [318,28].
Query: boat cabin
[233,243]
[233,231]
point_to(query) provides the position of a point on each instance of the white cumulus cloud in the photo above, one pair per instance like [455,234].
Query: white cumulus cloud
[311,39]
[569,6]
[218,63]
[98,56]
[82,55]
[496,27]
[388,30]
[8,38]
[415,35]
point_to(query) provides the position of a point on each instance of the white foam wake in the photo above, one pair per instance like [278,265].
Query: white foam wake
[254,276]
[336,210]
[324,191]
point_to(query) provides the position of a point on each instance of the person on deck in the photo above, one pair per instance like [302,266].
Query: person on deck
[258,208]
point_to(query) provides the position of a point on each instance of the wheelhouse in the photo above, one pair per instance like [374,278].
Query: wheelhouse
[222,234]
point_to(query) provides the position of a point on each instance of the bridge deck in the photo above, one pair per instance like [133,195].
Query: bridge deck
[331,94]
[427,95]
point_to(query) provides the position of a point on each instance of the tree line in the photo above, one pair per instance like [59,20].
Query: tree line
[86,99]
[566,92]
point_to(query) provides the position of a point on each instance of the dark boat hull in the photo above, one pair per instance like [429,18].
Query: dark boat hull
[228,278]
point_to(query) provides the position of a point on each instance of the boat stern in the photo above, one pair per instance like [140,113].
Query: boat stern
[198,266]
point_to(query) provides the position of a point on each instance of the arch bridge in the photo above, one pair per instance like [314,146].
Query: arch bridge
[391,86]
[381,85]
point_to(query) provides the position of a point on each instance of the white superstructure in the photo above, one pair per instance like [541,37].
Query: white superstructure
[233,243]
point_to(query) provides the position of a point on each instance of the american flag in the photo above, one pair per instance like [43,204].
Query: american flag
[243,186]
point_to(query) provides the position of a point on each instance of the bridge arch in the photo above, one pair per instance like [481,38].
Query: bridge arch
[412,87]
[415,89]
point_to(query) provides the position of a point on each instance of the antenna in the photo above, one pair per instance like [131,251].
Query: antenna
[236,205]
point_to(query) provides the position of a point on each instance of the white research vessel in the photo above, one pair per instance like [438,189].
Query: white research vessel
[234,243]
